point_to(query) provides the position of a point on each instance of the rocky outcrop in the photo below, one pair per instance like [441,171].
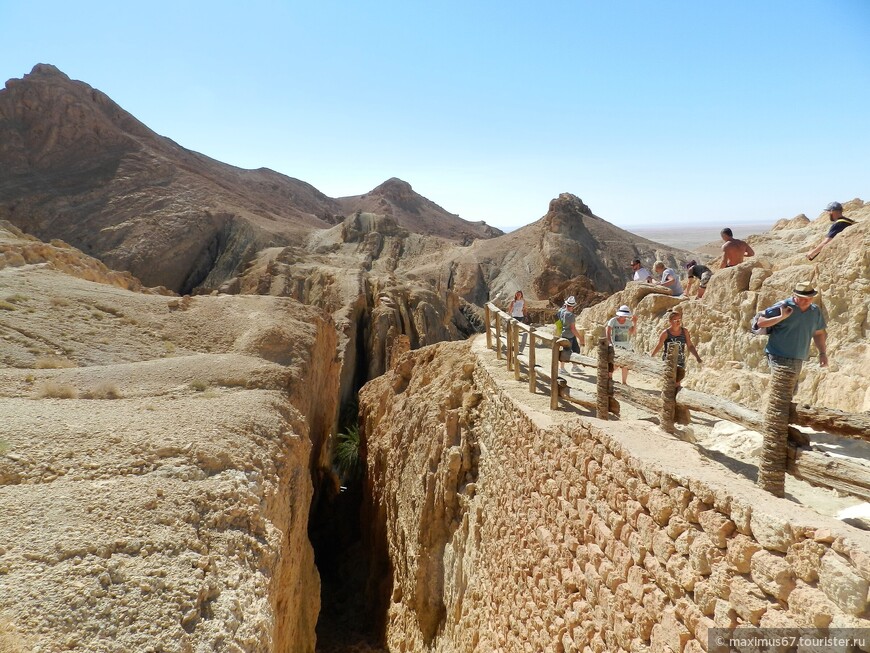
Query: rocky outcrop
[569,251]
[158,457]
[498,525]
[395,198]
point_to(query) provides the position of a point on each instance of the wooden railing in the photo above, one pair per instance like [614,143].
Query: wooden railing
[785,448]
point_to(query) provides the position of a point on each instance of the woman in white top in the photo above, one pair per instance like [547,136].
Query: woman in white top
[518,310]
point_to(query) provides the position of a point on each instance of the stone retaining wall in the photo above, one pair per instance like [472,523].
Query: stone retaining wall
[502,534]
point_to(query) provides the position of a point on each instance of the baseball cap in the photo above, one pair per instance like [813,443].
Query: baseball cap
[834,206]
[571,301]
[805,289]
[623,311]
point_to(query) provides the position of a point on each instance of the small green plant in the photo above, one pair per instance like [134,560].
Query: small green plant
[4,447]
[198,385]
[346,456]
[6,306]
[17,298]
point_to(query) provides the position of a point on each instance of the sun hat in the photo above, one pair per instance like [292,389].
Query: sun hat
[805,289]
[834,206]
[623,311]
[691,264]
[571,301]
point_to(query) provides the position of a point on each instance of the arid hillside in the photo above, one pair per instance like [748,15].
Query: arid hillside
[76,166]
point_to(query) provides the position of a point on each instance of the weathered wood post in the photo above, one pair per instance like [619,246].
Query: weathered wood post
[554,375]
[497,336]
[604,383]
[532,379]
[669,390]
[488,318]
[774,448]
[516,331]
[509,342]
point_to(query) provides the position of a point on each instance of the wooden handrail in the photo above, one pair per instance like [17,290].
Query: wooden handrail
[853,425]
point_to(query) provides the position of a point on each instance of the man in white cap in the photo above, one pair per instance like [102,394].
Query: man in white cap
[569,331]
[792,324]
[618,332]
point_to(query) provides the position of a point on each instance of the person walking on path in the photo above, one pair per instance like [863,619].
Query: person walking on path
[792,324]
[669,278]
[569,331]
[519,311]
[835,215]
[733,250]
[619,331]
[640,272]
[676,336]
[697,271]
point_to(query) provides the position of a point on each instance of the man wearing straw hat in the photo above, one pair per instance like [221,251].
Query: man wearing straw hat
[793,324]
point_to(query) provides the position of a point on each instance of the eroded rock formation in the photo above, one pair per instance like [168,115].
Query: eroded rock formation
[156,460]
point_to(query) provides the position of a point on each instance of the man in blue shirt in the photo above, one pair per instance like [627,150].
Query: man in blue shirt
[793,324]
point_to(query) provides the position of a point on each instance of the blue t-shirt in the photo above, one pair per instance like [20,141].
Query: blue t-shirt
[791,338]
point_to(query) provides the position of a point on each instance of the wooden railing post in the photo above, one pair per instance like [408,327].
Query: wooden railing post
[554,375]
[532,379]
[669,390]
[604,383]
[516,346]
[488,318]
[509,342]
[497,323]
[774,448]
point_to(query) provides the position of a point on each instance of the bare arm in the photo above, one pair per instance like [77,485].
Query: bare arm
[820,337]
[749,250]
[690,346]
[724,263]
[771,321]
[608,334]
[578,334]
[661,342]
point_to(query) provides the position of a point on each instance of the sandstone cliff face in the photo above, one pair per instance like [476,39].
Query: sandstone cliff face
[155,462]
[734,361]
[499,526]
[569,251]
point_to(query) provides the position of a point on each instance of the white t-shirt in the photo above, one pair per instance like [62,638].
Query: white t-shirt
[518,308]
[642,274]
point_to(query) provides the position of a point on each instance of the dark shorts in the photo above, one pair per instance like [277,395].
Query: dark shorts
[705,279]
[836,228]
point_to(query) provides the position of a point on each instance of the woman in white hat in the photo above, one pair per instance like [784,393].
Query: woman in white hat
[618,332]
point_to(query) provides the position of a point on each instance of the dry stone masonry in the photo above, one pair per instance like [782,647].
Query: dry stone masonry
[506,531]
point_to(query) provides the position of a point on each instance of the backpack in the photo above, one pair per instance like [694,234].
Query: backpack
[558,324]
[763,331]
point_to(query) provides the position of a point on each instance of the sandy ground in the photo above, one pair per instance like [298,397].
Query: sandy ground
[731,445]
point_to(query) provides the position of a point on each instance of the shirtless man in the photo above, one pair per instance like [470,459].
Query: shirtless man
[733,250]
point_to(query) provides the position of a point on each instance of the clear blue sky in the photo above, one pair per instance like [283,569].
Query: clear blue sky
[651,112]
